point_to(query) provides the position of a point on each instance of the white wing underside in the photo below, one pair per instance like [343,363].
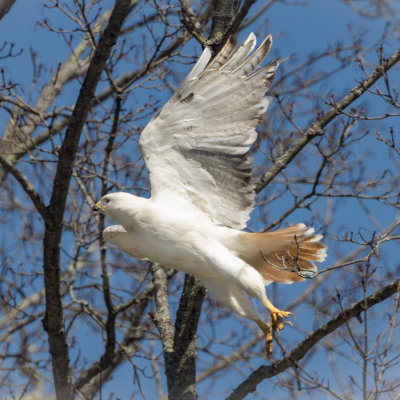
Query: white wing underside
[117,235]
[196,148]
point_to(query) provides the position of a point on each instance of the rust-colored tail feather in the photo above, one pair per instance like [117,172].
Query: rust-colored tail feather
[284,255]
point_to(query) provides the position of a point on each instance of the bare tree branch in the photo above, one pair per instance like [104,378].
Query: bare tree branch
[54,319]
[344,184]
[317,128]
[27,187]
[192,23]
[162,319]
[17,141]
[5,6]
[226,21]
[265,372]
[184,383]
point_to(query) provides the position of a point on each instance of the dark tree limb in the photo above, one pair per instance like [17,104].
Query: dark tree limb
[240,16]
[223,14]
[317,128]
[226,21]
[53,322]
[180,347]
[5,6]
[187,318]
[181,364]
[265,372]
[192,23]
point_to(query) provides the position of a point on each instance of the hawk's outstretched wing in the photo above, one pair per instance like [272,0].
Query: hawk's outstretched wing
[196,148]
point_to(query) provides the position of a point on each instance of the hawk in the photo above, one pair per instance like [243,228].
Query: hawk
[197,153]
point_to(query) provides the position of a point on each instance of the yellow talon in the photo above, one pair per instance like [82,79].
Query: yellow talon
[276,324]
[268,336]
[276,319]
[276,316]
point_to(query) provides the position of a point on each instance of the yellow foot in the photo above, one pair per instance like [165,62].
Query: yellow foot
[276,315]
[268,336]
[276,318]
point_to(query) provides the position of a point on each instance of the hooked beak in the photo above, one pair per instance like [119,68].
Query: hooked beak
[98,207]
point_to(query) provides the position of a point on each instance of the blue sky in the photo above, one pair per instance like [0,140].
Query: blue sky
[296,30]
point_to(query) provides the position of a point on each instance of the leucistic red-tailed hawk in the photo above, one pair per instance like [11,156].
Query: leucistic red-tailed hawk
[196,151]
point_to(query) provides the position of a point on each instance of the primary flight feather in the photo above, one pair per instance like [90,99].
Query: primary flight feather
[196,150]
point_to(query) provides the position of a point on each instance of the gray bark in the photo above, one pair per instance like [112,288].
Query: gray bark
[5,6]
[54,319]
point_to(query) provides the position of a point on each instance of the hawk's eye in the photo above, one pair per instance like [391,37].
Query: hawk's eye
[106,201]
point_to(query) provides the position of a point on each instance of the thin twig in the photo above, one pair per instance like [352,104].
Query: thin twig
[27,187]
[265,372]
[317,128]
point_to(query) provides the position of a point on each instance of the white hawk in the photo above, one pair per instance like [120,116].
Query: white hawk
[196,151]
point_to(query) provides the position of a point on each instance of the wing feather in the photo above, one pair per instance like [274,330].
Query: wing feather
[222,57]
[196,148]
[241,53]
[256,58]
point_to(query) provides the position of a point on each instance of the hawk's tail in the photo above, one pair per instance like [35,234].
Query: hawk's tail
[284,255]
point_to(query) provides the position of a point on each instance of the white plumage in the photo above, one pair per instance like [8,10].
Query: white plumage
[197,154]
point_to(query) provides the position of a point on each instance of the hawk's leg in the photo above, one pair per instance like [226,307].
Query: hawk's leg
[268,335]
[276,315]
